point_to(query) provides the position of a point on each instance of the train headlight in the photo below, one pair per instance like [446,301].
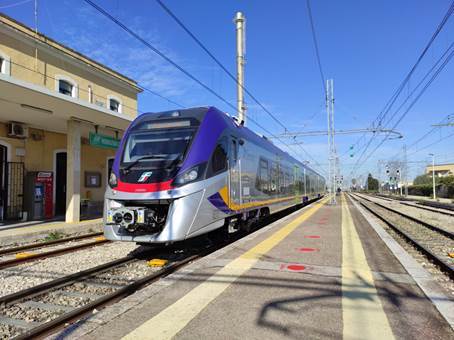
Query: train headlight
[190,175]
[141,216]
[109,218]
[113,180]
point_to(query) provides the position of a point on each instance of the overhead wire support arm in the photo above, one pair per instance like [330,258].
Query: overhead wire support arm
[450,122]
[337,132]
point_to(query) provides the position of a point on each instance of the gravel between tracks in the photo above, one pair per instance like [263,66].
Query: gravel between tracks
[30,274]
[439,220]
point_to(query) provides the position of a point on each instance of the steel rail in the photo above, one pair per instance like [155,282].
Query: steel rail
[428,209]
[47,243]
[438,205]
[120,293]
[34,257]
[444,266]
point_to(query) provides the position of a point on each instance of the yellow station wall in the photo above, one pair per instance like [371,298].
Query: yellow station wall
[40,149]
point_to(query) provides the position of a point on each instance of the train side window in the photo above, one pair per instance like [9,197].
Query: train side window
[234,151]
[263,180]
[274,177]
[219,158]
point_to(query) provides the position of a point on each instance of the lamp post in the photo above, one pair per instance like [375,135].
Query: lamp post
[433,175]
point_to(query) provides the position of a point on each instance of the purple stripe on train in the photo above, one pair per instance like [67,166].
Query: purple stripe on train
[205,140]
[217,201]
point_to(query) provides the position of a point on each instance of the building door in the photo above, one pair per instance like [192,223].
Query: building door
[60,183]
[3,182]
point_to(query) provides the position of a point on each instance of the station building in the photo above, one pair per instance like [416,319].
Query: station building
[441,170]
[61,118]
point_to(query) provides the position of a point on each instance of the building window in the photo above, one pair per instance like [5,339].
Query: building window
[4,64]
[65,87]
[90,94]
[114,104]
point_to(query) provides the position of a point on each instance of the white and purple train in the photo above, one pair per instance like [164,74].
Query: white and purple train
[180,174]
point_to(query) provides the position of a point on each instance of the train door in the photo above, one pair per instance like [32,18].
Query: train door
[234,173]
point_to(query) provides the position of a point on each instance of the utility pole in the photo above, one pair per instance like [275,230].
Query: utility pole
[240,23]
[332,147]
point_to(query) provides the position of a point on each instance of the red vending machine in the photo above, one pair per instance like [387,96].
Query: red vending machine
[39,195]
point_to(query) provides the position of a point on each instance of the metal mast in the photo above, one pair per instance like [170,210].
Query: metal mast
[332,172]
[240,23]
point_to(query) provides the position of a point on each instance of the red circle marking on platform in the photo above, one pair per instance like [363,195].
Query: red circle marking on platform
[296,267]
[307,250]
[311,236]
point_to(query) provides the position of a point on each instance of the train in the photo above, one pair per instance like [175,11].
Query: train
[184,173]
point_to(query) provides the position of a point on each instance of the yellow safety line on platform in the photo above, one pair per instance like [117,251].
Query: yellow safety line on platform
[362,312]
[174,318]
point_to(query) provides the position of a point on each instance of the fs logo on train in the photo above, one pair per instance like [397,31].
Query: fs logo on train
[145,176]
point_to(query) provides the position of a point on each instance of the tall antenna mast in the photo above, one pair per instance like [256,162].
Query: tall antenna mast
[240,23]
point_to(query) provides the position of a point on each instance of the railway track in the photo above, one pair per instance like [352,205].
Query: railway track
[434,242]
[417,205]
[28,257]
[447,213]
[55,303]
[446,207]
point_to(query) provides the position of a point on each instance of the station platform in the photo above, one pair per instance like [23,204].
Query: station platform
[325,271]
[21,232]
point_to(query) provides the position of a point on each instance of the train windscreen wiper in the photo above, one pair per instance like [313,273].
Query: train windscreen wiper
[140,159]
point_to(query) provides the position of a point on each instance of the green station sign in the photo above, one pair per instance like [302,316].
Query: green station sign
[103,141]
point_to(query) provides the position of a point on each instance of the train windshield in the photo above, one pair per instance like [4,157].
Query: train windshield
[163,145]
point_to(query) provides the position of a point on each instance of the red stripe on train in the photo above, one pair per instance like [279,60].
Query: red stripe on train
[149,187]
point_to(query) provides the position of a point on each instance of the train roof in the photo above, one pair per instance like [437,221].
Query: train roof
[199,114]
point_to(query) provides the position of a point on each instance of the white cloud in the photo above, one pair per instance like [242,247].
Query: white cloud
[106,43]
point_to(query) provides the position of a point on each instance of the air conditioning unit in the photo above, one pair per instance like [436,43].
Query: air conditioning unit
[17,130]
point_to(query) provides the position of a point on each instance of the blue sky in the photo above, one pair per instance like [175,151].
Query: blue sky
[367,47]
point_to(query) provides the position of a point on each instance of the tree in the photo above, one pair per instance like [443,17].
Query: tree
[423,179]
[372,183]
